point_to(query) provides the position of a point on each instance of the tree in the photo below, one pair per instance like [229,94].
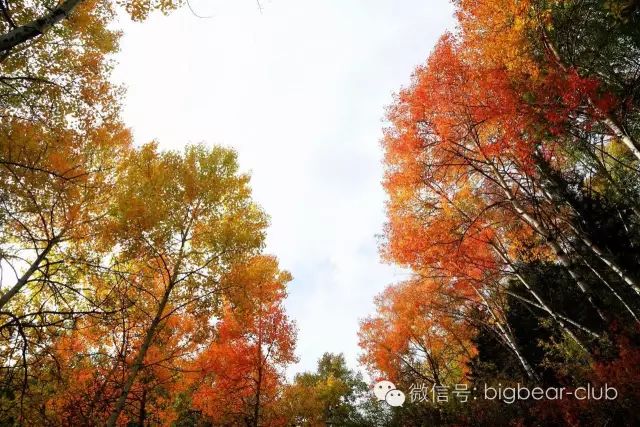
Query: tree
[511,169]
[182,222]
[54,194]
[243,367]
[464,140]
[132,268]
[328,397]
[55,61]
[419,334]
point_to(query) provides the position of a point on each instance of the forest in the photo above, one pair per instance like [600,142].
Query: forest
[135,288]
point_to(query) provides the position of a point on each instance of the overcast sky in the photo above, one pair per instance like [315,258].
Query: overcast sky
[299,90]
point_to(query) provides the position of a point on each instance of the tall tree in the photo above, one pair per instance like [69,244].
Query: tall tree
[243,367]
[182,221]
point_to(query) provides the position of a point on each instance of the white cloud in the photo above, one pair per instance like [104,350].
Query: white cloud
[299,90]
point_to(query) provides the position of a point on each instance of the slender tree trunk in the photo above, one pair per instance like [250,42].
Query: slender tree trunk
[24,279]
[139,360]
[566,319]
[537,297]
[618,130]
[613,291]
[516,350]
[605,258]
[508,338]
[142,416]
[256,408]
[502,254]
[37,27]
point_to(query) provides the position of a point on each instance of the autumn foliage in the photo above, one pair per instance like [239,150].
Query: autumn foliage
[134,285]
[511,168]
[135,290]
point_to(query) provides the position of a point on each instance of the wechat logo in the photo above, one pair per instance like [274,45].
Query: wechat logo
[387,391]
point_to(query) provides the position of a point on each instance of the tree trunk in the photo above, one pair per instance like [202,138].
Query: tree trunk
[566,319]
[22,281]
[256,408]
[537,297]
[138,362]
[37,27]
[613,291]
[142,416]
[618,131]
[508,339]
